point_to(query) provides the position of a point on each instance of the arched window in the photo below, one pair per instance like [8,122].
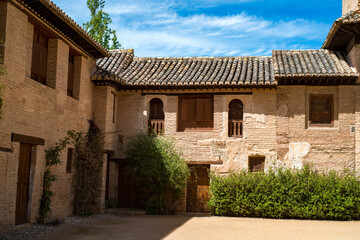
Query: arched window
[156,118]
[236,118]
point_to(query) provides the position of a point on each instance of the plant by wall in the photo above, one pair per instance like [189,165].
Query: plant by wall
[88,162]
[159,169]
[52,158]
[299,194]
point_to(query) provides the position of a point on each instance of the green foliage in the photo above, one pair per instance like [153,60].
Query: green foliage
[159,169]
[88,162]
[98,26]
[299,194]
[52,158]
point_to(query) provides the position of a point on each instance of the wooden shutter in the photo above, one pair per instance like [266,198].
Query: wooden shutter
[35,55]
[156,109]
[70,85]
[39,57]
[195,112]
[321,109]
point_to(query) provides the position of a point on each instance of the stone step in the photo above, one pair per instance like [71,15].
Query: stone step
[125,212]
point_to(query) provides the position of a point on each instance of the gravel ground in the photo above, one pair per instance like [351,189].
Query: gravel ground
[38,231]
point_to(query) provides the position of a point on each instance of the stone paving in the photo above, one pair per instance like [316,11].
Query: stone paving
[207,227]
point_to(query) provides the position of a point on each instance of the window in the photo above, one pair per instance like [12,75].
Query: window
[69,161]
[236,118]
[71,73]
[196,112]
[321,110]
[114,107]
[39,57]
[156,120]
[256,164]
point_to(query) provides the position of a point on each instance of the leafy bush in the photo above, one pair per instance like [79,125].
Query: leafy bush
[299,194]
[160,171]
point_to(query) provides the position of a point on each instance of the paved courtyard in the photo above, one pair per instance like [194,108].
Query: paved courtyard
[186,227]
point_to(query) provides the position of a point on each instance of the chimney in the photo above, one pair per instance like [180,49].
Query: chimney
[350,5]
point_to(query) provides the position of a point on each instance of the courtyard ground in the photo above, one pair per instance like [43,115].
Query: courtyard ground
[187,227]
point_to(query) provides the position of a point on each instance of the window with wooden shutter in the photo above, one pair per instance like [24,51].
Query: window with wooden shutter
[195,113]
[39,56]
[321,110]
[70,85]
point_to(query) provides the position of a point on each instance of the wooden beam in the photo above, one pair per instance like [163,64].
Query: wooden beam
[27,139]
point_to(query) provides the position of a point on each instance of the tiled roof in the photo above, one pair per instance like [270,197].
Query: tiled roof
[185,71]
[124,69]
[113,65]
[343,30]
[52,15]
[311,63]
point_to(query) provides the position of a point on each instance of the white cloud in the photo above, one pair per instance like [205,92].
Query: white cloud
[156,28]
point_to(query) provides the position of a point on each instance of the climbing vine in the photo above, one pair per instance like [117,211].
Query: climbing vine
[52,158]
[89,157]
[88,162]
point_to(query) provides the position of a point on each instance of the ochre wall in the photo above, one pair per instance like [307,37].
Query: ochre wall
[37,110]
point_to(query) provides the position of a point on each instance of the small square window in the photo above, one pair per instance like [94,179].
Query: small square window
[257,164]
[321,110]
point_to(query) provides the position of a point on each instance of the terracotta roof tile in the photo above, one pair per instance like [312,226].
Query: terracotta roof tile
[311,63]
[222,71]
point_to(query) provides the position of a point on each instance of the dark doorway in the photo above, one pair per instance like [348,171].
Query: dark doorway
[129,195]
[22,195]
[198,189]
[108,159]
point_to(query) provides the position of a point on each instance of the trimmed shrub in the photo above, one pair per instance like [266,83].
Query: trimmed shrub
[160,171]
[297,194]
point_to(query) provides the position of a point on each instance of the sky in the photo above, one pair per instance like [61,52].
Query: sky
[169,28]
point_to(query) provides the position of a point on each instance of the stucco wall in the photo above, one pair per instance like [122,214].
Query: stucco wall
[275,126]
[34,109]
[349,5]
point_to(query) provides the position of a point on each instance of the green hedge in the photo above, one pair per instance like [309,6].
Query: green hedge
[299,194]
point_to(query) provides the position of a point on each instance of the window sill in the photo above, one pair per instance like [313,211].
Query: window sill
[323,128]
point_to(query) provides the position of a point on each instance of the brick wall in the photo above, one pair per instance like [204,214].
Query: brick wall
[34,109]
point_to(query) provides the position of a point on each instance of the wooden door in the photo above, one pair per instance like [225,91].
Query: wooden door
[22,196]
[198,189]
[129,195]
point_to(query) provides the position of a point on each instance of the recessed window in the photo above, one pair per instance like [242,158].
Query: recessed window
[321,110]
[256,164]
[196,113]
[39,56]
[114,107]
[69,161]
[157,116]
[236,118]
[71,73]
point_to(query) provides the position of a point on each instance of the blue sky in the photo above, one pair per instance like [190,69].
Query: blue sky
[168,28]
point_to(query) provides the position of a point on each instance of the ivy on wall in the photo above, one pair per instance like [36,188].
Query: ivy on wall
[88,162]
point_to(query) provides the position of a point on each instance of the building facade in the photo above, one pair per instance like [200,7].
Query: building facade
[225,113]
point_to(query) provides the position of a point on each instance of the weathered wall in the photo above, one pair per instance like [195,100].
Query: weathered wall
[323,147]
[37,110]
[349,5]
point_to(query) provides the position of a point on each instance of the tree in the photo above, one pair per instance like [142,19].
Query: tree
[98,26]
